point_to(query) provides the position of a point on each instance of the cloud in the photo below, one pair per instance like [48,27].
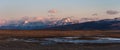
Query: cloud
[32,19]
[112,12]
[95,14]
[52,11]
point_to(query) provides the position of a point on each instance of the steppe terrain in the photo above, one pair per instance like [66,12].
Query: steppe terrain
[15,39]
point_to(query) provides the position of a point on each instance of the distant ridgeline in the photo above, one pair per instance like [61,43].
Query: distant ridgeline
[105,24]
[65,24]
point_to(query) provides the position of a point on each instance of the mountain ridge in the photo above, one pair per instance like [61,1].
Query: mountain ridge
[61,24]
[106,24]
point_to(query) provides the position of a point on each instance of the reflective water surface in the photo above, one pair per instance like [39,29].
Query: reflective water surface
[74,40]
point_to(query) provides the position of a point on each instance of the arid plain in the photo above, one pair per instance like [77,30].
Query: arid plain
[38,34]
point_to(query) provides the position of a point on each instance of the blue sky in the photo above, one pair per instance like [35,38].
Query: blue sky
[64,8]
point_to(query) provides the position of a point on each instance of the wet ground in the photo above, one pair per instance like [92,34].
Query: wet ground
[59,40]
[72,40]
[60,43]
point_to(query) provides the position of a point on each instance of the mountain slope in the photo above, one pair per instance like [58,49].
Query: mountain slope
[34,23]
[61,24]
[106,24]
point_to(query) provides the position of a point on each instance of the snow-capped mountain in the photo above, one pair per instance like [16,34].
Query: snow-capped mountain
[34,23]
[41,23]
[105,24]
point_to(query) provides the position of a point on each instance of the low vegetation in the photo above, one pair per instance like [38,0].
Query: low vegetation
[58,33]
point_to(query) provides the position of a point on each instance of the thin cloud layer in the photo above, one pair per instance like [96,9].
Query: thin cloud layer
[95,14]
[52,11]
[112,12]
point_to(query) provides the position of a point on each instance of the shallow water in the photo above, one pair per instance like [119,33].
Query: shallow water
[99,40]
[74,40]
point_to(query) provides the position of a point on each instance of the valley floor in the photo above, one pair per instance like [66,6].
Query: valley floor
[17,44]
[37,46]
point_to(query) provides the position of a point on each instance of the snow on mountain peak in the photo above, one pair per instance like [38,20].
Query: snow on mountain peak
[2,22]
[25,22]
[43,21]
[39,22]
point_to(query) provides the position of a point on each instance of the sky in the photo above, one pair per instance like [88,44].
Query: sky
[79,8]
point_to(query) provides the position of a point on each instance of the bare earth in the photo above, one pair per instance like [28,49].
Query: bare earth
[11,45]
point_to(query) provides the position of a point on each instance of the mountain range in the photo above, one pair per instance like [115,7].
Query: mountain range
[105,24]
[67,23]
